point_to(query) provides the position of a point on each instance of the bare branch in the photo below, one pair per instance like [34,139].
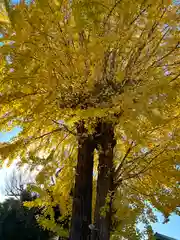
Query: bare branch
[16,183]
[166,55]
[138,159]
[65,127]
[124,159]
[48,133]
[110,13]
[139,192]
[146,168]
[175,78]
[140,13]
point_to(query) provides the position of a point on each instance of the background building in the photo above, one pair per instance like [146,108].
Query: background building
[163,237]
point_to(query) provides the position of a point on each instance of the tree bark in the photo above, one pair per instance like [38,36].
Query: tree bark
[82,197]
[102,223]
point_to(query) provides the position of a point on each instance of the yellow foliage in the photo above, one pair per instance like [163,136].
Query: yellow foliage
[82,60]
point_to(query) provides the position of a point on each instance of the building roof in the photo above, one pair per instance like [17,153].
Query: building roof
[163,237]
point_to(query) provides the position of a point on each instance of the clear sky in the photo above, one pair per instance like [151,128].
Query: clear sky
[172,228]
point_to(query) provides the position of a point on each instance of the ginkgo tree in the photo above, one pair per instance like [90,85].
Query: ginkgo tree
[84,74]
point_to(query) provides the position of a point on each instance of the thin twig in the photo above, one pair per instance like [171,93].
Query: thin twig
[166,55]
[110,13]
[124,159]
[146,168]
[176,77]
[65,127]
[48,133]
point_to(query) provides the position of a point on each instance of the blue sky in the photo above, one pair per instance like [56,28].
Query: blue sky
[7,136]
[172,228]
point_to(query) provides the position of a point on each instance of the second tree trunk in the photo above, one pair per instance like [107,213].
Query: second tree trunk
[104,183]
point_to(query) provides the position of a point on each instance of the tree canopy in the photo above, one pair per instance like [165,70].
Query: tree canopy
[54,55]
[67,61]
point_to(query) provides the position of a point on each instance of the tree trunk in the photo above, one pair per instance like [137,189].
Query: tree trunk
[102,222]
[82,198]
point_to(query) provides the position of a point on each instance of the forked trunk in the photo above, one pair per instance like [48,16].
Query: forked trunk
[82,198]
[102,220]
